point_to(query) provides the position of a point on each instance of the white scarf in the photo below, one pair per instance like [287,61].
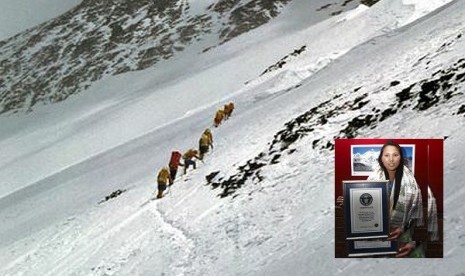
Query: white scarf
[409,205]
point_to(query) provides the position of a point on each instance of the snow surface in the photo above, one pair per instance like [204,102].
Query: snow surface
[58,163]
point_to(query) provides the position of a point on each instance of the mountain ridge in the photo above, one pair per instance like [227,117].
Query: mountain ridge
[95,39]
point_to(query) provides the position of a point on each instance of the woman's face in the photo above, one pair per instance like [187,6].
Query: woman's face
[390,158]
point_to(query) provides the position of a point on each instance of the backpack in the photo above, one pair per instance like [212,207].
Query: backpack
[204,140]
[174,160]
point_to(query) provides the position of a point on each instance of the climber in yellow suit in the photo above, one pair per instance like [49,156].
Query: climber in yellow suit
[205,142]
[164,178]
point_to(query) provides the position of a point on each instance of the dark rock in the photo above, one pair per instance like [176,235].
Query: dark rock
[112,195]
[461,110]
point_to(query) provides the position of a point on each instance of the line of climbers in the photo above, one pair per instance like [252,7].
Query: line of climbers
[167,174]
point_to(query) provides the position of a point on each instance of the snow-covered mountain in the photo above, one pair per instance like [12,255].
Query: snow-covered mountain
[365,161]
[65,55]
[76,175]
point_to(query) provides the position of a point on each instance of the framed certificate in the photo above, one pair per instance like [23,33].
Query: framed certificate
[366,209]
[363,248]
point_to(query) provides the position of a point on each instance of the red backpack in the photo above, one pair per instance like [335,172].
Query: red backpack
[174,160]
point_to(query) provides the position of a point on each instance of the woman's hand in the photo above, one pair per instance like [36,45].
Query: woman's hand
[395,234]
[340,201]
[405,249]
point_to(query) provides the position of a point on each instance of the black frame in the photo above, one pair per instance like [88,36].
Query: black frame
[347,186]
[390,249]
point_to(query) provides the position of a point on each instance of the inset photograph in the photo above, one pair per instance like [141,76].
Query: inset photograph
[389,198]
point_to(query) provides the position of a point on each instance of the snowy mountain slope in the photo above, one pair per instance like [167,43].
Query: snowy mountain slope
[274,158]
[427,110]
[289,188]
[94,40]
[131,88]
[133,97]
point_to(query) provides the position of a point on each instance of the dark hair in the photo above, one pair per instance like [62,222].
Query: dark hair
[399,170]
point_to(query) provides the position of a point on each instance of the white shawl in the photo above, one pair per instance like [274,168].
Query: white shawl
[409,205]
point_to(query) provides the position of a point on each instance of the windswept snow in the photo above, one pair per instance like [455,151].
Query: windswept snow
[422,8]
[354,13]
[273,158]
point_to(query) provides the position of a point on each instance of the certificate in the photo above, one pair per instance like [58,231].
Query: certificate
[366,213]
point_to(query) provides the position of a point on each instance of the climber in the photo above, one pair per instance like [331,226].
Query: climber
[188,158]
[175,163]
[205,142]
[163,179]
[219,116]
[228,109]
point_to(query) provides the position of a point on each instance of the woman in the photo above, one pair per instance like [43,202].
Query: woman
[406,210]
[405,197]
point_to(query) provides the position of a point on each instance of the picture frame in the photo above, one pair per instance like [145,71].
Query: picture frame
[366,209]
[364,158]
[367,248]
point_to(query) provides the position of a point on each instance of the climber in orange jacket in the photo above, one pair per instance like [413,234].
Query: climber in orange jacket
[228,109]
[219,116]
[163,179]
[188,158]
